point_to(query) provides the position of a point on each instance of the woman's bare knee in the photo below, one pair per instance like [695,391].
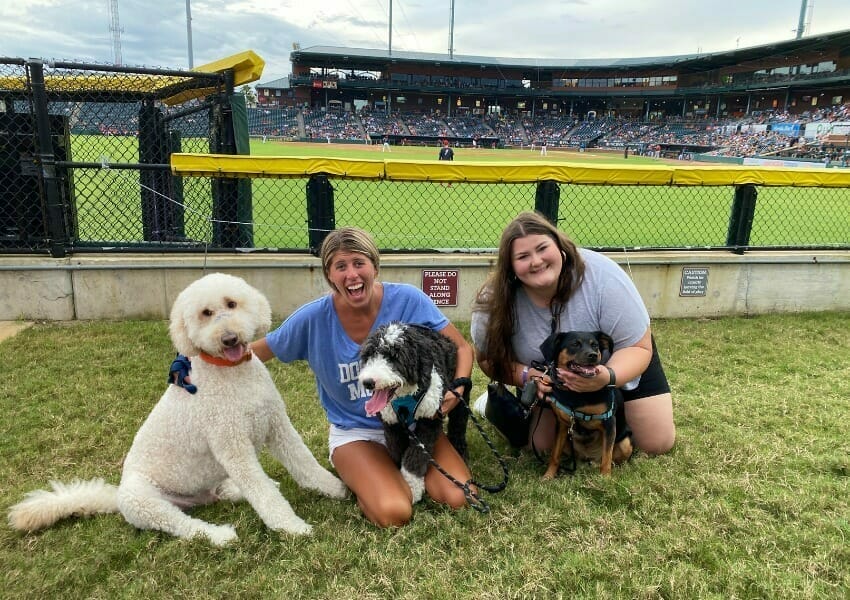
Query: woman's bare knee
[387,511]
[651,421]
[657,442]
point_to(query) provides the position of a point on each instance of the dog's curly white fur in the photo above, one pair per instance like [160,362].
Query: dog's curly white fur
[196,449]
[399,360]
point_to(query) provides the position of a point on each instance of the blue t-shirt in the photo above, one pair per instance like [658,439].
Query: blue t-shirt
[314,333]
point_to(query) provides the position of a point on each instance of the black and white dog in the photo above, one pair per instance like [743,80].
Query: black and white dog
[409,369]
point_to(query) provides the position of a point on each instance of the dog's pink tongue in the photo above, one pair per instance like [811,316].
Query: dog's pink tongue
[235,353]
[377,402]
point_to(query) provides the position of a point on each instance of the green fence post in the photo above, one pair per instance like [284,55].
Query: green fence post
[741,217]
[321,218]
[57,212]
[546,200]
[178,216]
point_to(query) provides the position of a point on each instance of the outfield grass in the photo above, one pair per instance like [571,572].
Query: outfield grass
[752,502]
[421,215]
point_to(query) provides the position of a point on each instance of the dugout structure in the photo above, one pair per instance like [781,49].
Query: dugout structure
[85,149]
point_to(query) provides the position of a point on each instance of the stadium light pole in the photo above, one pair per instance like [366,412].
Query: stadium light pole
[452,30]
[801,23]
[189,31]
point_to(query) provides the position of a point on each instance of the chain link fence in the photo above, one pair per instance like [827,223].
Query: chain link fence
[84,152]
[85,165]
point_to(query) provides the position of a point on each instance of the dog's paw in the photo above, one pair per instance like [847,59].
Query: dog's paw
[333,487]
[295,526]
[417,484]
[220,535]
[228,490]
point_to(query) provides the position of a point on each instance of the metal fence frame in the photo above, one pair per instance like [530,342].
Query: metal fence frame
[227,199]
[36,84]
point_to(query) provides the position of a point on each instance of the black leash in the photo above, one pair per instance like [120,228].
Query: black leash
[472,497]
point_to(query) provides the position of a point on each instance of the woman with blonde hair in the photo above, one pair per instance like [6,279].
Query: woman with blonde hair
[327,333]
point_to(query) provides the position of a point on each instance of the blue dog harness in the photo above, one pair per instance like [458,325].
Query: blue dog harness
[581,416]
[405,409]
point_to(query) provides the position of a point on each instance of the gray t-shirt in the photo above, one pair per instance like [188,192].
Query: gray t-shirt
[606,301]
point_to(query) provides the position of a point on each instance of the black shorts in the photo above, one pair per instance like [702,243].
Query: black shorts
[653,381]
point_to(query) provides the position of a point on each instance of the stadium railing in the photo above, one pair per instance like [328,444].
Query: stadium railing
[99,158]
[436,206]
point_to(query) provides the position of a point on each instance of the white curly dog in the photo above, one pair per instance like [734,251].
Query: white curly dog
[196,449]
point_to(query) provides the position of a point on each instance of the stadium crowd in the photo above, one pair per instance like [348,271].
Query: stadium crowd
[762,133]
[745,136]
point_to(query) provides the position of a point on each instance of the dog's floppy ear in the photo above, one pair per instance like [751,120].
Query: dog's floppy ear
[263,312]
[605,341]
[422,355]
[547,348]
[177,326]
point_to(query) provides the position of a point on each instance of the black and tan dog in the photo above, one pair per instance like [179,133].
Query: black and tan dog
[592,425]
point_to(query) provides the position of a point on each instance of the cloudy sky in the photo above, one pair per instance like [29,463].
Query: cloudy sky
[154,32]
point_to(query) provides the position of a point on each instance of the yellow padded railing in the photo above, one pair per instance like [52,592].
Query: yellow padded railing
[221,165]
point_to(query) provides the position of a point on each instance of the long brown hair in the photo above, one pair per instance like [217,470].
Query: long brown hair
[498,294]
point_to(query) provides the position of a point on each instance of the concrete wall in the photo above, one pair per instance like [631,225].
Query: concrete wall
[144,286]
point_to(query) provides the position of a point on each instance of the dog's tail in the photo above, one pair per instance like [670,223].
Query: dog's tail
[43,508]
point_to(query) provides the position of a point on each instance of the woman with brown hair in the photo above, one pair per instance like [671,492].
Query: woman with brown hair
[543,283]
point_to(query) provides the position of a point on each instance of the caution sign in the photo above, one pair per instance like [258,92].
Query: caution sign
[694,281]
[441,287]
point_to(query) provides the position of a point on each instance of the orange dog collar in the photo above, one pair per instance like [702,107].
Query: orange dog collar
[223,362]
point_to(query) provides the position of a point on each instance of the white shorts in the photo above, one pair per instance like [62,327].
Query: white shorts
[337,436]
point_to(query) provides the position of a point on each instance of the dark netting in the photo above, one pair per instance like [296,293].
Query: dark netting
[85,165]
[104,179]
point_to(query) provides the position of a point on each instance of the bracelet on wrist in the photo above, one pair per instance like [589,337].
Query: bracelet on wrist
[612,377]
[524,376]
[464,382]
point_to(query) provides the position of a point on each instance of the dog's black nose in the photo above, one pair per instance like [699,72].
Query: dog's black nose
[369,384]
[229,340]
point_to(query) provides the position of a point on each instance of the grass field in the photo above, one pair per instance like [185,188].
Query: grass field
[752,502]
[419,215]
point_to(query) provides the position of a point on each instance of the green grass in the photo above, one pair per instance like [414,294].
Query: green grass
[753,501]
[428,215]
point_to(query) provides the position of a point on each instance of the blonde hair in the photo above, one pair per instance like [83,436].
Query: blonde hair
[497,296]
[348,239]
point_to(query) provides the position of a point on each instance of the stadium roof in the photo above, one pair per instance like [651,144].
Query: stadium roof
[282,83]
[360,58]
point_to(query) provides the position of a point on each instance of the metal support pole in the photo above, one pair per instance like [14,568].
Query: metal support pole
[741,217]
[546,200]
[321,217]
[55,209]
[189,32]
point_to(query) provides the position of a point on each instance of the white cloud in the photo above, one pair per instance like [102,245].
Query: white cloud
[154,31]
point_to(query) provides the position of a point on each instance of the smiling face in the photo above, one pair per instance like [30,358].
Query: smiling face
[352,276]
[220,315]
[537,262]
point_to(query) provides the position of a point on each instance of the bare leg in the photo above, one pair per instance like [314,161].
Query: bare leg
[651,421]
[542,429]
[382,493]
[438,486]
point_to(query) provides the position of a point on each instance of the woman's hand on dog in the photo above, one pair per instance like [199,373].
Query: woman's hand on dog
[178,374]
[577,383]
[450,400]
[541,379]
